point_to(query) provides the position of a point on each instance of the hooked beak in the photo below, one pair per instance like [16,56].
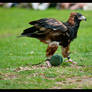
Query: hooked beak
[82,18]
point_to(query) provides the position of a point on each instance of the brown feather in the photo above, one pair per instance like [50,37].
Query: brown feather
[71,18]
[49,23]
[65,51]
[51,50]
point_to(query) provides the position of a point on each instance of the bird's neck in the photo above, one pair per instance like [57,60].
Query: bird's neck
[73,29]
[76,24]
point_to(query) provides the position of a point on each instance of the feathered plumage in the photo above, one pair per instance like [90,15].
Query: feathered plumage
[54,32]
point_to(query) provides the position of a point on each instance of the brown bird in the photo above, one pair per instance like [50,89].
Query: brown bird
[55,33]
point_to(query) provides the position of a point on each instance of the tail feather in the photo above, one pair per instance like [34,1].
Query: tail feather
[29,30]
[33,32]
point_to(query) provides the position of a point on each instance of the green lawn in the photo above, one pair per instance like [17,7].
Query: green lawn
[18,54]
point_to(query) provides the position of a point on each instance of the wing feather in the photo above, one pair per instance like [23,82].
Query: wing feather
[49,23]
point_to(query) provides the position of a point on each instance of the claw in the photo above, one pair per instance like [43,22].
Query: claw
[70,60]
[48,63]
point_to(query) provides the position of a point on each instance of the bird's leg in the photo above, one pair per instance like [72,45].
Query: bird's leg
[52,47]
[65,53]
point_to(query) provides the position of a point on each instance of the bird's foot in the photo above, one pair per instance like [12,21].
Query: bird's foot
[71,61]
[48,63]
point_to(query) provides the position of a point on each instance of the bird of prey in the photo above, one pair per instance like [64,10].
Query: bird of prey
[55,33]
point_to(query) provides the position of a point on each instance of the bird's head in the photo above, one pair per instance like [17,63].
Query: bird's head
[80,17]
[76,16]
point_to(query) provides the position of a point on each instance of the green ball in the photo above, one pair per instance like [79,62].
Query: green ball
[56,60]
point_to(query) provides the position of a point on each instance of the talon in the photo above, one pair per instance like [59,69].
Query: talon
[48,63]
[70,60]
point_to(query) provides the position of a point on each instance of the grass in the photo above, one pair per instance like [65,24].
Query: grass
[18,55]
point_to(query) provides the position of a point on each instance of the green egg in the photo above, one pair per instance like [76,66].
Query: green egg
[56,60]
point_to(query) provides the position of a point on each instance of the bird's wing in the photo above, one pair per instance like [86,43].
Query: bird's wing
[50,23]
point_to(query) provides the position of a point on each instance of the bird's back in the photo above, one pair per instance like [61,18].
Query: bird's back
[46,29]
